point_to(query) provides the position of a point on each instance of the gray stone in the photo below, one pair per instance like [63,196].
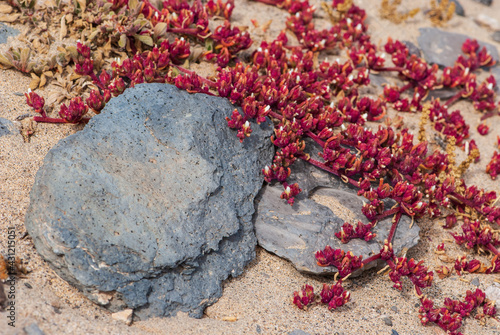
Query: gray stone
[6,31]
[443,93]
[298,332]
[378,80]
[297,232]
[495,71]
[496,36]
[33,329]
[150,206]
[387,321]
[443,48]
[6,127]
[393,332]
[459,10]
[484,2]
[493,293]
[475,281]
[412,48]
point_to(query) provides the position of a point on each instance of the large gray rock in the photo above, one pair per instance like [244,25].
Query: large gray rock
[150,206]
[443,48]
[297,232]
[6,31]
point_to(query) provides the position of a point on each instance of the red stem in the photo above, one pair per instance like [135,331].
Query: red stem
[493,249]
[390,69]
[328,169]
[453,99]
[371,259]
[394,225]
[268,2]
[186,31]
[387,213]
[207,82]
[146,2]
[315,138]
[54,120]
[96,80]
[407,86]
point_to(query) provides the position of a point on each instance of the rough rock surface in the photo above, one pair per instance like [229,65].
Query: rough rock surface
[297,232]
[443,48]
[6,127]
[150,206]
[412,48]
[6,31]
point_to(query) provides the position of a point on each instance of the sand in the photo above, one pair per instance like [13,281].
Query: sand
[260,300]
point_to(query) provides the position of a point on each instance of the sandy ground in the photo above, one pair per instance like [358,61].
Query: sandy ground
[259,301]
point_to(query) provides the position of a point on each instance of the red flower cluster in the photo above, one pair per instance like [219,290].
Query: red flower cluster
[416,272]
[346,263]
[334,296]
[475,234]
[451,315]
[348,232]
[305,297]
[493,167]
[475,266]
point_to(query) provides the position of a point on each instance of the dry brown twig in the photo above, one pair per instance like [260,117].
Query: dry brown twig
[442,13]
[389,11]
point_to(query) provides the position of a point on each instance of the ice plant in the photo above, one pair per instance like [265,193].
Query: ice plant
[493,167]
[313,100]
[348,232]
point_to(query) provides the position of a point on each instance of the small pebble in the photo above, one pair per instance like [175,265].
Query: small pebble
[258,329]
[28,285]
[298,332]
[493,293]
[33,329]
[485,2]
[496,36]
[487,21]
[124,316]
[387,321]
[394,308]
[475,281]
[394,332]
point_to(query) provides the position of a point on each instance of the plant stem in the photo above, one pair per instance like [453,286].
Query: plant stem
[371,259]
[387,213]
[328,169]
[207,82]
[394,225]
[58,120]
[453,99]
[493,249]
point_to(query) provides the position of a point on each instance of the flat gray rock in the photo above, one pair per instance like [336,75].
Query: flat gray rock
[6,31]
[150,206]
[297,232]
[6,127]
[412,48]
[443,48]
